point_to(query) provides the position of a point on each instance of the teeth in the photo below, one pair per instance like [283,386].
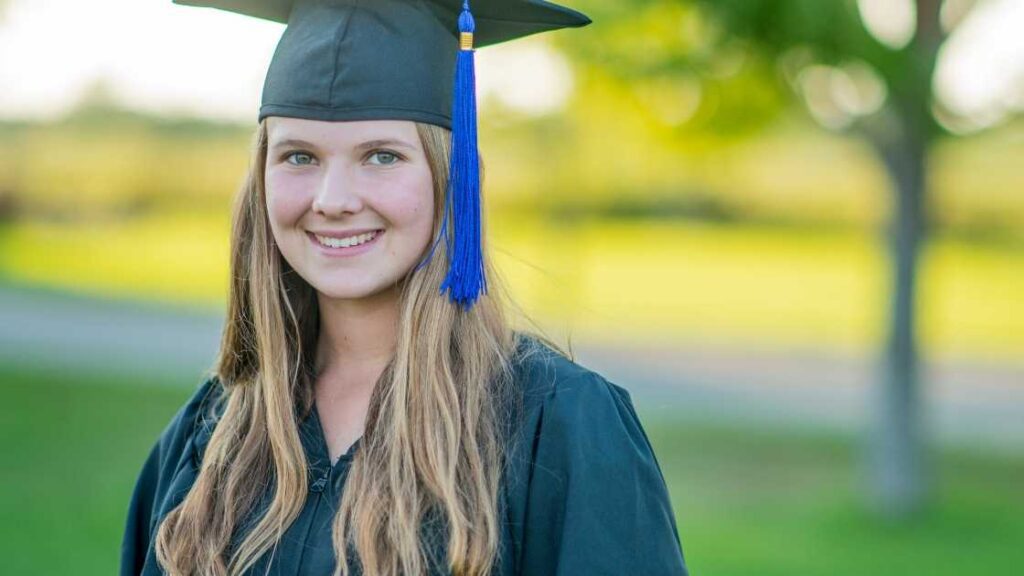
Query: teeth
[346,242]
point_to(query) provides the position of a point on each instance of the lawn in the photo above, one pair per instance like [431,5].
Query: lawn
[748,502]
[640,282]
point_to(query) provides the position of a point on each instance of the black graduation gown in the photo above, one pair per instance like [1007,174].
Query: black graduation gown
[583,493]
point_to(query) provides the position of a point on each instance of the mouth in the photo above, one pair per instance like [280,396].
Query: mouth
[346,246]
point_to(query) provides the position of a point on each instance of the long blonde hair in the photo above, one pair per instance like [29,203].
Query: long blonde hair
[433,441]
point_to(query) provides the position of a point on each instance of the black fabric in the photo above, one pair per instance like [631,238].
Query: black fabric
[380,59]
[583,493]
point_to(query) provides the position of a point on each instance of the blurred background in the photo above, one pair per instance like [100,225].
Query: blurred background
[793,229]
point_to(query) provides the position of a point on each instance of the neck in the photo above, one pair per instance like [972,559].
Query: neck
[356,333]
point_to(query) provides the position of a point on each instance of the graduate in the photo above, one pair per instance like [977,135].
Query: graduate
[371,410]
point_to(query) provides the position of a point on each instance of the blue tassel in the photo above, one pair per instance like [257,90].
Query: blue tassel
[465,280]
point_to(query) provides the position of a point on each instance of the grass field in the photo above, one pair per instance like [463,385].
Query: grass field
[606,281]
[747,502]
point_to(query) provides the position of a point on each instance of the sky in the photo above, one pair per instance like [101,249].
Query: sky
[167,58]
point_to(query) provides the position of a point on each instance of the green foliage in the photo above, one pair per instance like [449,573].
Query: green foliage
[831,32]
[831,28]
[763,45]
[670,55]
[103,161]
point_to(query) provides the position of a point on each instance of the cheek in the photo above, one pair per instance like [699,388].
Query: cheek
[412,206]
[286,203]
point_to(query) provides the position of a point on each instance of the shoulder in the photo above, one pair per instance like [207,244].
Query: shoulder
[550,380]
[197,409]
[191,424]
[571,407]
[584,485]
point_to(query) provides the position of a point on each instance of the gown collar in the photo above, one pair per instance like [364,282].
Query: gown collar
[313,443]
[317,455]
[312,436]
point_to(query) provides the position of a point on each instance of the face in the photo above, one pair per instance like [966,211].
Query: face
[351,204]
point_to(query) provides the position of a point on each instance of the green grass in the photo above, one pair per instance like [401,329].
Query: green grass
[72,446]
[748,502]
[751,502]
[737,285]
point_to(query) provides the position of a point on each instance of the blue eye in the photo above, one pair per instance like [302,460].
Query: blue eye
[387,157]
[384,157]
[298,154]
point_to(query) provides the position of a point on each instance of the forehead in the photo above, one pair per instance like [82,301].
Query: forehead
[340,133]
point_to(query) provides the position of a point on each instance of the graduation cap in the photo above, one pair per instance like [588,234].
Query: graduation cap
[399,60]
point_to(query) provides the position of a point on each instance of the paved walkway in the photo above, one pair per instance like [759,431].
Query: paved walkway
[966,404]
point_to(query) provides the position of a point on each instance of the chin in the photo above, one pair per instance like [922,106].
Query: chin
[338,293]
[348,292]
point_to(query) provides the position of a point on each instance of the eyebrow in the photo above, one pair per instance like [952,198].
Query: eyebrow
[369,144]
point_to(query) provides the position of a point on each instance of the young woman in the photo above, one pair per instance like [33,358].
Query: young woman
[358,421]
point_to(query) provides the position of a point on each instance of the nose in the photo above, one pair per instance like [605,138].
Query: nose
[338,194]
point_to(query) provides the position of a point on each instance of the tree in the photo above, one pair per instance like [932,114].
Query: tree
[848,79]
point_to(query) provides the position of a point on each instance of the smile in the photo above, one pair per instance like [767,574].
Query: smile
[346,242]
[348,246]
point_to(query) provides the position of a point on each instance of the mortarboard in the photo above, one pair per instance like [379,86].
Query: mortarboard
[399,60]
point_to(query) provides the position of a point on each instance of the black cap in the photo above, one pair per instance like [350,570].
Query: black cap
[380,59]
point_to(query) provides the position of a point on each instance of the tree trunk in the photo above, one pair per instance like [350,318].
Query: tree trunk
[898,480]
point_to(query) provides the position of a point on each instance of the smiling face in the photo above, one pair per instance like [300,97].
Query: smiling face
[351,204]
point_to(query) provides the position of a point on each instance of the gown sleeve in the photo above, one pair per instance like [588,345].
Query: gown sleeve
[172,451]
[597,501]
